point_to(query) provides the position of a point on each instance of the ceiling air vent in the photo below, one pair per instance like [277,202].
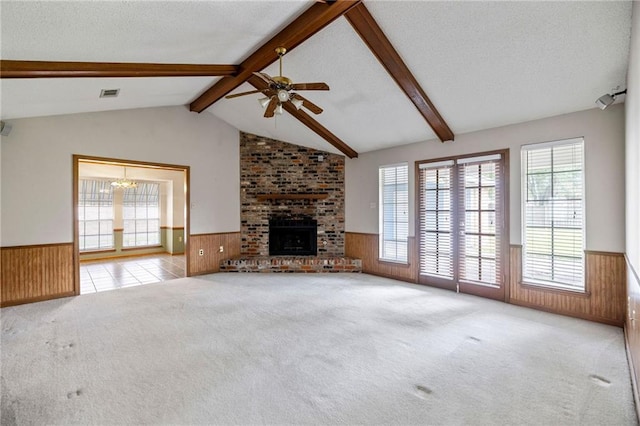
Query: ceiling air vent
[109,93]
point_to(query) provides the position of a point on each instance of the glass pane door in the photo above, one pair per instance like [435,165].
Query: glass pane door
[462,224]
[479,232]
[436,230]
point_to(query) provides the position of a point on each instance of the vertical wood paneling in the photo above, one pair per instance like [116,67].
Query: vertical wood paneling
[605,283]
[632,327]
[365,247]
[33,273]
[605,280]
[210,243]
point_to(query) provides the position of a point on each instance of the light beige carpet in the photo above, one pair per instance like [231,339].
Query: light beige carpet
[295,349]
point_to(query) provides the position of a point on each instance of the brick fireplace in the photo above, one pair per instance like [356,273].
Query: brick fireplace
[282,181]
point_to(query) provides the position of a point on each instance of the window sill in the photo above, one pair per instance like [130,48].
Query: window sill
[97,251]
[394,263]
[141,247]
[547,288]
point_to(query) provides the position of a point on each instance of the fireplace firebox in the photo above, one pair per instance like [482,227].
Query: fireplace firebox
[293,237]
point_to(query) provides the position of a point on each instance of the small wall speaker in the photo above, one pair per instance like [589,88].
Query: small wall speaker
[5,128]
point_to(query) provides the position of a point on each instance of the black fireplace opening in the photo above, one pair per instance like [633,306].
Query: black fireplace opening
[297,237]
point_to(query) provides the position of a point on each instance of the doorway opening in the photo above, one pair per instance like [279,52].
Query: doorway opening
[131,223]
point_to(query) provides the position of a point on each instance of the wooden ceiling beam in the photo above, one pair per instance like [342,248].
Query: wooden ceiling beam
[308,121]
[45,69]
[366,26]
[314,19]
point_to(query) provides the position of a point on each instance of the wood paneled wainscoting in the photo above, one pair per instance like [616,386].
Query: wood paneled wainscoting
[37,272]
[632,328]
[604,300]
[210,244]
[365,247]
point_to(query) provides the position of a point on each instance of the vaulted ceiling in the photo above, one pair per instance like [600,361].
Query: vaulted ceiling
[479,64]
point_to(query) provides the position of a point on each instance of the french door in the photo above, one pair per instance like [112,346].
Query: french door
[462,224]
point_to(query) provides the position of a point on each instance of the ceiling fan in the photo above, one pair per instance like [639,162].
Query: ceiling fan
[282,89]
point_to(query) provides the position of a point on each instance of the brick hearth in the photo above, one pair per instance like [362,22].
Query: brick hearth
[309,264]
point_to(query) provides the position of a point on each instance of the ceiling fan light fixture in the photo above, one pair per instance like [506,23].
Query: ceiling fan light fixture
[264,102]
[279,90]
[297,103]
[283,95]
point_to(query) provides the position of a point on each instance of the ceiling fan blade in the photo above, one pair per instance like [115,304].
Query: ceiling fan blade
[242,94]
[308,104]
[264,77]
[271,107]
[310,86]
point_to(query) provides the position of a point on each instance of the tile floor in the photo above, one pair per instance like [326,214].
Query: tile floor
[110,274]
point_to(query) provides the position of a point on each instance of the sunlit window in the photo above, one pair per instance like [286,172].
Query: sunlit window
[95,215]
[141,214]
[553,214]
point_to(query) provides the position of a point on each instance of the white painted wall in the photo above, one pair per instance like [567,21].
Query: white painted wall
[632,105]
[603,132]
[37,166]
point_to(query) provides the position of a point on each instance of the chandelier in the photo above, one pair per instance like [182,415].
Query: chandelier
[124,183]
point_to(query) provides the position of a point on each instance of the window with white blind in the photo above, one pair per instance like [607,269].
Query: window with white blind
[141,214]
[394,212]
[553,214]
[95,215]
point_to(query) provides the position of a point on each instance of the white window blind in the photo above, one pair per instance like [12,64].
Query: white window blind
[479,192]
[394,212]
[436,250]
[141,213]
[95,215]
[553,214]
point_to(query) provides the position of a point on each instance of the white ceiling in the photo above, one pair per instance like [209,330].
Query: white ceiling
[483,64]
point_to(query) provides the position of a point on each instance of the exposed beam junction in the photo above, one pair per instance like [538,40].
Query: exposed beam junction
[314,19]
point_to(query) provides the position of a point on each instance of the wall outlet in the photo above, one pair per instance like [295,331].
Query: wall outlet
[201,252]
[221,249]
[180,239]
[372,205]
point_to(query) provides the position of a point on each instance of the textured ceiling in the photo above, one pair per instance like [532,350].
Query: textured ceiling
[488,64]
[41,97]
[483,64]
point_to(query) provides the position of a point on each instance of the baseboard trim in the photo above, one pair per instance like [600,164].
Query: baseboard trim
[123,256]
[567,313]
[632,370]
[212,271]
[36,299]
[391,277]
